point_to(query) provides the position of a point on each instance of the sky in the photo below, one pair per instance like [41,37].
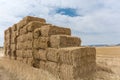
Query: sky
[94,21]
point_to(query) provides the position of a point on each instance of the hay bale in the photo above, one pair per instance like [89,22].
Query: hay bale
[42,64]
[20,38]
[23,30]
[57,41]
[20,59]
[19,53]
[20,46]
[28,44]
[91,51]
[73,55]
[25,60]
[52,54]
[69,72]
[13,47]
[29,36]
[33,25]
[41,43]
[52,67]
[49,30]
[13,40]
[29,61]
[28,19]
[37,33]
[27,54]
[40,54]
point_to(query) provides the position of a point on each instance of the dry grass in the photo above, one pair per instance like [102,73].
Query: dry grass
[25,72]
[108,60]
[108,51]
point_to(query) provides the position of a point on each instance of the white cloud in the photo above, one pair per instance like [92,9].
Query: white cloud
[99,22]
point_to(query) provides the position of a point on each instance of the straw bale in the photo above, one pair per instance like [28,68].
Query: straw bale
[37,33]
[20,59]
[33,25]
[52,67]
[23,30]
[29,61]
[13,46]
[28,19]
[41,43]
[42,64]
[69,72]
[13,40]
[19,46]
[52,54]
[25,60]
[29,36]
[57,41]
[91,51]
[40,54]
[19,53]
[21,38]
[28,45]
[72,55]
[35,54]
[27,54]
[49,30]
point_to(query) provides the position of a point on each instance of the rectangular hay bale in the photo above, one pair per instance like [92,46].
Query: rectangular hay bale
[41,43]
[33,25]
[49,30]
[76,56]
[57,41]
[19,53]
[40,54]
[28,19]
[27,54]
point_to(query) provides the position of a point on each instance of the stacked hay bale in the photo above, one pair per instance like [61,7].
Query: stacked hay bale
[49,47]
[7,43]
[25,28]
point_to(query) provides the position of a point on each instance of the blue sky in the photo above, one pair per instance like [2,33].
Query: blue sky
[94,21]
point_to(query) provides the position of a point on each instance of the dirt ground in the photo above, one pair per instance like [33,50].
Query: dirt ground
[108,66]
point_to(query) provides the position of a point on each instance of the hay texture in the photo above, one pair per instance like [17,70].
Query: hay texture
[49,30]
[58,41]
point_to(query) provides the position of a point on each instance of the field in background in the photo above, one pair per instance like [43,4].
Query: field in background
[108,51]
[109,57]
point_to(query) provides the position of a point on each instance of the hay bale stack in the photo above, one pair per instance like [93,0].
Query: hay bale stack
[49,47]
[58,41]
